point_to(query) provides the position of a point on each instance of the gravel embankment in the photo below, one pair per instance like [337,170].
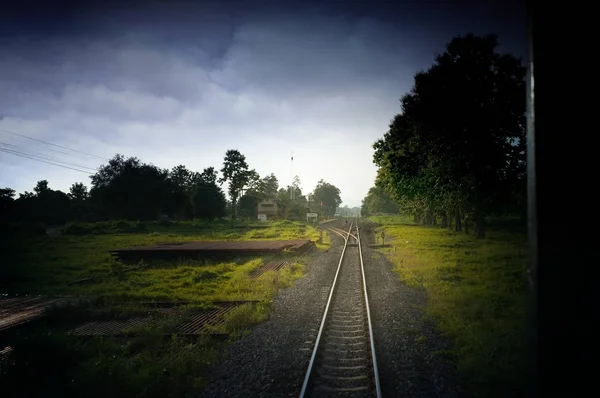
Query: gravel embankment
[272,360]
[404,342]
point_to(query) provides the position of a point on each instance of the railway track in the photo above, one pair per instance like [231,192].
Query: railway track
[343,361]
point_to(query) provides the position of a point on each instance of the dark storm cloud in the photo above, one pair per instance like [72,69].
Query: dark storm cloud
[176,82]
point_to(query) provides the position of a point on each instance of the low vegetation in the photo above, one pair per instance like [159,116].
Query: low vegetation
[477,294]
[49,264]
[147,362]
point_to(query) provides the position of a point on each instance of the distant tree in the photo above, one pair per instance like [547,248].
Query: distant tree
[293,205]
[7,205]
[284,202]
[185,180]
[41,187]
[269,186]
[327,197]
[235,171]
[257,189]
[208,176]
[26,195]
[208,199]
[45,206]
[78,192]
[377,201]
[7,194]
[80,206]
[248,204]
[182,185]
[130,189]
[107,173]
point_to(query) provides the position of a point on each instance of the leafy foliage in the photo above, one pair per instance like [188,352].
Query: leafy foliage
[104,227]
[235,171]
[129,189]
[327,196]
[377,201]
[208,199]
[265,188]
[460,138]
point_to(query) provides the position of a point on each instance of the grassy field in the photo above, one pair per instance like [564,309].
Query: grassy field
[477,295]
[144,363]
[46,264]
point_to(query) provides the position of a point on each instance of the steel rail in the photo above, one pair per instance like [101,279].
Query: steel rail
[362,268]
[338,233]
[316,348]
[347,233]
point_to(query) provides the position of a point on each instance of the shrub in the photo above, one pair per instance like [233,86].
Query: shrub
[204,275]
[104,227]
[116,267]
[284,223]
[77,228]
[24,228]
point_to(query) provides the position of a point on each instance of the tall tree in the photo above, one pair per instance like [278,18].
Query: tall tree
[46,205]
[183,184]
[41,187]
[208,176]
[208,198]
[327,197]
[80,205]
[130,189]
[7,205]
[460,138]
[235,172]
[184,179]
[269,186]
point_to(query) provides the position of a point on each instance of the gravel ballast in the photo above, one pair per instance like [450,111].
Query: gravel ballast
[272,359]
[404,342]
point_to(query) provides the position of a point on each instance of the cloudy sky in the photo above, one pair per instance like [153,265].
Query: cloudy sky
[181,82]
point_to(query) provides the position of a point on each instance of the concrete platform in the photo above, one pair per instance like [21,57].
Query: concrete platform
[212,249]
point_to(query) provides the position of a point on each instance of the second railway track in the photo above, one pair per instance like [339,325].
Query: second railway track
[343,361]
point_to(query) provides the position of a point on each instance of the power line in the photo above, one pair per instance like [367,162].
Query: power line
[39,160]
[49,143]
[49,149]
[45,157]
[49,159]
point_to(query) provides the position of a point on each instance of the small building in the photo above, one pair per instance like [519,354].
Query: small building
[268,207]
[312,217]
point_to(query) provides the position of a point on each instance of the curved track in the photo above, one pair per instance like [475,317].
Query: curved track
[343,362]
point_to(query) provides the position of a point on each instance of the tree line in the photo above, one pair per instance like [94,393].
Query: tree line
[378,202]
[129,189]
[456,151]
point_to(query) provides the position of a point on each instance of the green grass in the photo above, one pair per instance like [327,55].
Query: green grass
[144,361]
[46,265]
[477,295]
